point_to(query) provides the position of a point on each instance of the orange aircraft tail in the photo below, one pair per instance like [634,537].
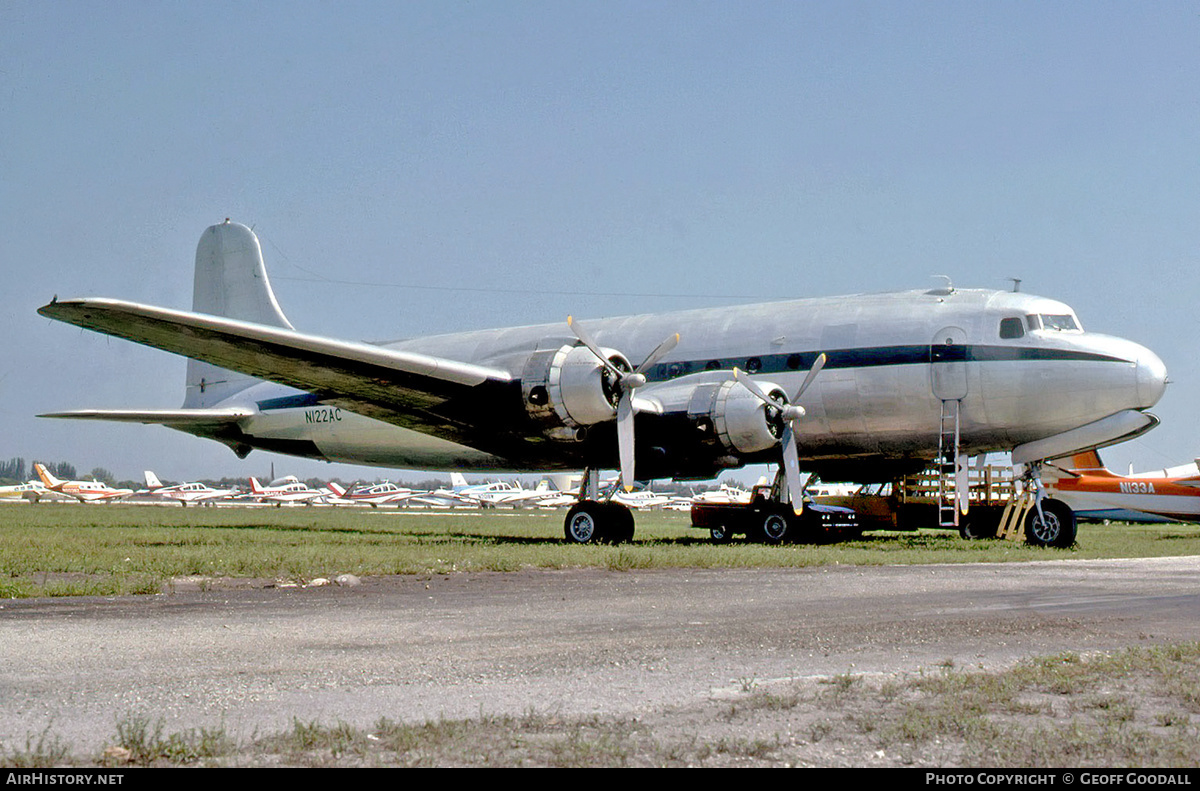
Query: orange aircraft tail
[1088,461]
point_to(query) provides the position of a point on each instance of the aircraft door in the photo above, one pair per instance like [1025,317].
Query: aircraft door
[948,364]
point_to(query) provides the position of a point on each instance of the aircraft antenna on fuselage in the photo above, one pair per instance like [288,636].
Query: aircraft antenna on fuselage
[948,289]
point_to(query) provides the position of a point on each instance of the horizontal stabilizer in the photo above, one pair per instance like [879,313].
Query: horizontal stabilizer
[390,382]
[159,417]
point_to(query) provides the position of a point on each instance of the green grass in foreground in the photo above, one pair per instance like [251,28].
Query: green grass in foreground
[62,550]
[1134,708]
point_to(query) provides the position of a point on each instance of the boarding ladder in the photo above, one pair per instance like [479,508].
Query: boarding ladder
[947,463]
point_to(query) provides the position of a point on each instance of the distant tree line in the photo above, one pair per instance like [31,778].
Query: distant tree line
[15,470]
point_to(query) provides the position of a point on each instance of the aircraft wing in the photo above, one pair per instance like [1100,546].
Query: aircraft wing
[402,388]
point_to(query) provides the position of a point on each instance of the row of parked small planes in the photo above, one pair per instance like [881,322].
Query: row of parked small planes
[291,491]
[1093,491]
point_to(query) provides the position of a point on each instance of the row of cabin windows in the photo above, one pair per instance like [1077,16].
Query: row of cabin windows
[1014,327]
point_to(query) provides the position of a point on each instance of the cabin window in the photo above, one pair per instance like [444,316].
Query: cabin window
[1034,322]
[1011,328]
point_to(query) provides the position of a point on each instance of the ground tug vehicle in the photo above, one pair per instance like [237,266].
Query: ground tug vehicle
[769,519]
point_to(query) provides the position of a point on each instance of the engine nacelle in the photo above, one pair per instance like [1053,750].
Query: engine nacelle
[569,388]
[739,419]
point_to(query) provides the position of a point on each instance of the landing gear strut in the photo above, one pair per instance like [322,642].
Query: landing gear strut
[1050,522]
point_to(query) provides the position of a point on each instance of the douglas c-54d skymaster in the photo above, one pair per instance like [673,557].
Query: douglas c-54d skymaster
[855,388]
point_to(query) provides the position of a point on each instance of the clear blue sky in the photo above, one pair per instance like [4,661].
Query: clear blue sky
[469,165]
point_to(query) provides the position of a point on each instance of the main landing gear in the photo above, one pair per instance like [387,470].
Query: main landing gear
[595,521]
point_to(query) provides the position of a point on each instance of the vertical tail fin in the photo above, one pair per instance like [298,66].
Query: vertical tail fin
[1087,461]
[48,480]
[255,486]
[230,281]
[152,481]
[336,489]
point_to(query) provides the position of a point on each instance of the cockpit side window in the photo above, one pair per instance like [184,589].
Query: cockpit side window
[1011,328]
[1063,322]
[1058,322]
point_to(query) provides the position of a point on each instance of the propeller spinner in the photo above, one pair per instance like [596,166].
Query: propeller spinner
[626,382]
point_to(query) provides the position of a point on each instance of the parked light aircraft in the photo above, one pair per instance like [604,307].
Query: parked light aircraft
[1096,493]
[497,493]
[856,388]
[640,498]
[284,490]
[726,493]
[84,491]
[31,491]
[386,493]
[185,493]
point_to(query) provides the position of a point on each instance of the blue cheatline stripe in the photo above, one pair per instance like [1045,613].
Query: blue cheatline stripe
[865,357]
[875,357]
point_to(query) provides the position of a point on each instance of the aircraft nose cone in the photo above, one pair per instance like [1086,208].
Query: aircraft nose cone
[1151,378]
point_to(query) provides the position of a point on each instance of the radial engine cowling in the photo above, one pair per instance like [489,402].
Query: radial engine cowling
[741,421]
[569,388]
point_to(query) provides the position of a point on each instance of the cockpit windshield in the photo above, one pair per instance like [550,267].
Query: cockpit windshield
[1060,322]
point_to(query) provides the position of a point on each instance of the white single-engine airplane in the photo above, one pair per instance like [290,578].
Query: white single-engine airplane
[855,388]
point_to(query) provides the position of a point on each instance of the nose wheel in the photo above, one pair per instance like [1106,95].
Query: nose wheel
[594,522]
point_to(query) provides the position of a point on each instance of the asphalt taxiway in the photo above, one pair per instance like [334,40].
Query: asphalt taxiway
[255,660]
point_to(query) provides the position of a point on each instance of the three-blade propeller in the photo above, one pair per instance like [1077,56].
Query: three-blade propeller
[626,382]
[790,413]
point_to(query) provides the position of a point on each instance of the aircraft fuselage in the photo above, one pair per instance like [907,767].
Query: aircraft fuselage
[1018,365]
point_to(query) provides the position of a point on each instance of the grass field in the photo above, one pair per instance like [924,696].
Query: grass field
[65,550]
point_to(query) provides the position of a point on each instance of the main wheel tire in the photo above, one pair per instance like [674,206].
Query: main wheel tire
[585,522]
[774,527]
[1054,527]
[617,524]
[720,534]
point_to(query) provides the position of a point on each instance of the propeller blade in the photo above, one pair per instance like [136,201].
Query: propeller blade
[962,483]
[625,439]
[818,364]
[658,353]
[629,381]
[791,467]
[748,383]
[589,342]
